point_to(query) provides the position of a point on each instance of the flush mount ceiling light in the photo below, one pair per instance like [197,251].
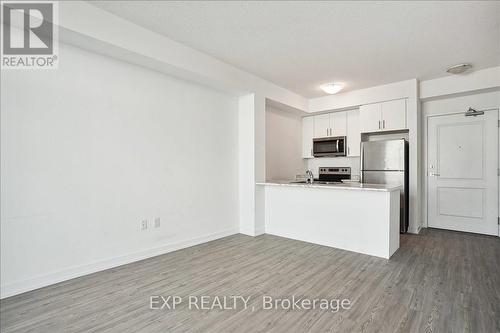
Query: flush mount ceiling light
[458,69]
[332,88]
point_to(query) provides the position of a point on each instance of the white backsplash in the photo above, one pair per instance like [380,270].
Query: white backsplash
[315,163]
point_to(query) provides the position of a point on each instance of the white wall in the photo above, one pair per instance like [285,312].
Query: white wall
[454,104]
[91,149]
[246,156]
[252,162]
[102,32]
[283,144]
[99,31]
[474,81]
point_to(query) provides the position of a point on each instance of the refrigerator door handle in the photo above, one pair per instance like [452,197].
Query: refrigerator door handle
[361,168]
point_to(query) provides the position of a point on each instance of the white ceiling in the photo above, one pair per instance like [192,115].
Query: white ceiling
[300,45]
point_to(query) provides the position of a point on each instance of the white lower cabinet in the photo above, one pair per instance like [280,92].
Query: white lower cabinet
[307,137]
[353,133]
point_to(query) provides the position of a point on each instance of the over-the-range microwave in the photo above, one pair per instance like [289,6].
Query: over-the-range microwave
[329,147]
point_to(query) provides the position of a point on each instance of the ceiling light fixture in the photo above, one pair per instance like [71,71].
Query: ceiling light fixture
[458,69]
[332,88]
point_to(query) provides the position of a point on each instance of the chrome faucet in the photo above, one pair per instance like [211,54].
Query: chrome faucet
[310,176]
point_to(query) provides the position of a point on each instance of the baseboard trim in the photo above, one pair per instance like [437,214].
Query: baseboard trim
[259,232]
[415,231]
[82,270]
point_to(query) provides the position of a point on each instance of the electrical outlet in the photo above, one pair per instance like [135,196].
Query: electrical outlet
[144,224]
[157,222]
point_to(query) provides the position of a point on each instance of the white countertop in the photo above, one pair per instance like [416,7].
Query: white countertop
[344,186]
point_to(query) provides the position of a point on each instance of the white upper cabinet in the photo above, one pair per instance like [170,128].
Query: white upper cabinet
[376,117]
[394,115]
[321,125]
[385,116]
[330,124]
[307,137]
[370,117]
[353,133]
[338,123]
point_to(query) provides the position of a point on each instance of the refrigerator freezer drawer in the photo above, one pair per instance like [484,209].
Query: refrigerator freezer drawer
[384,177]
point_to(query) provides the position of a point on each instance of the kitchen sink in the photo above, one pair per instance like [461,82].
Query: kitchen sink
[318,182]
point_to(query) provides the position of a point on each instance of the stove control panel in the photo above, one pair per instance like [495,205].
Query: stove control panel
[335,171]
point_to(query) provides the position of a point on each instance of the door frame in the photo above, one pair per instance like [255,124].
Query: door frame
[425,175]
[427,116]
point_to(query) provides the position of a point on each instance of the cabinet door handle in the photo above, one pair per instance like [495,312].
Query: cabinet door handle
[379,124]
[383,124]
[348,151]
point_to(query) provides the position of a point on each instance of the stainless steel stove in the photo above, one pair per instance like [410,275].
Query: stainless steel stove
[334,175]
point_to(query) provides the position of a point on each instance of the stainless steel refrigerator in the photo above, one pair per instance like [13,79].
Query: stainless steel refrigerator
[386,162]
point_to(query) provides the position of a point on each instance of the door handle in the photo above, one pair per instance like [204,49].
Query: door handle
[383,124]
[379,124]
[432,174]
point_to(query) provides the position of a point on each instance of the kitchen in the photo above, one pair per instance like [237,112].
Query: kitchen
[270,152]
[338,151]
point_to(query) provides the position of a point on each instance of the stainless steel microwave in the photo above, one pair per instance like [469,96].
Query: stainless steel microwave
[329,147]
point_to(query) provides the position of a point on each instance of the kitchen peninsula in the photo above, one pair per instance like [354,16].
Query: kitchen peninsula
[356,217]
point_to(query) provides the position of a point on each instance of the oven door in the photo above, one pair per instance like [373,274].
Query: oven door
[325,147]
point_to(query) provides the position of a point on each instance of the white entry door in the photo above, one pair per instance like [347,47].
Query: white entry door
[462,172]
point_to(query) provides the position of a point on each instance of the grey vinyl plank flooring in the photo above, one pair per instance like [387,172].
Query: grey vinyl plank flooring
[438,281]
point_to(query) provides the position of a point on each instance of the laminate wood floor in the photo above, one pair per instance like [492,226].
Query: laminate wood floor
[438,281]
